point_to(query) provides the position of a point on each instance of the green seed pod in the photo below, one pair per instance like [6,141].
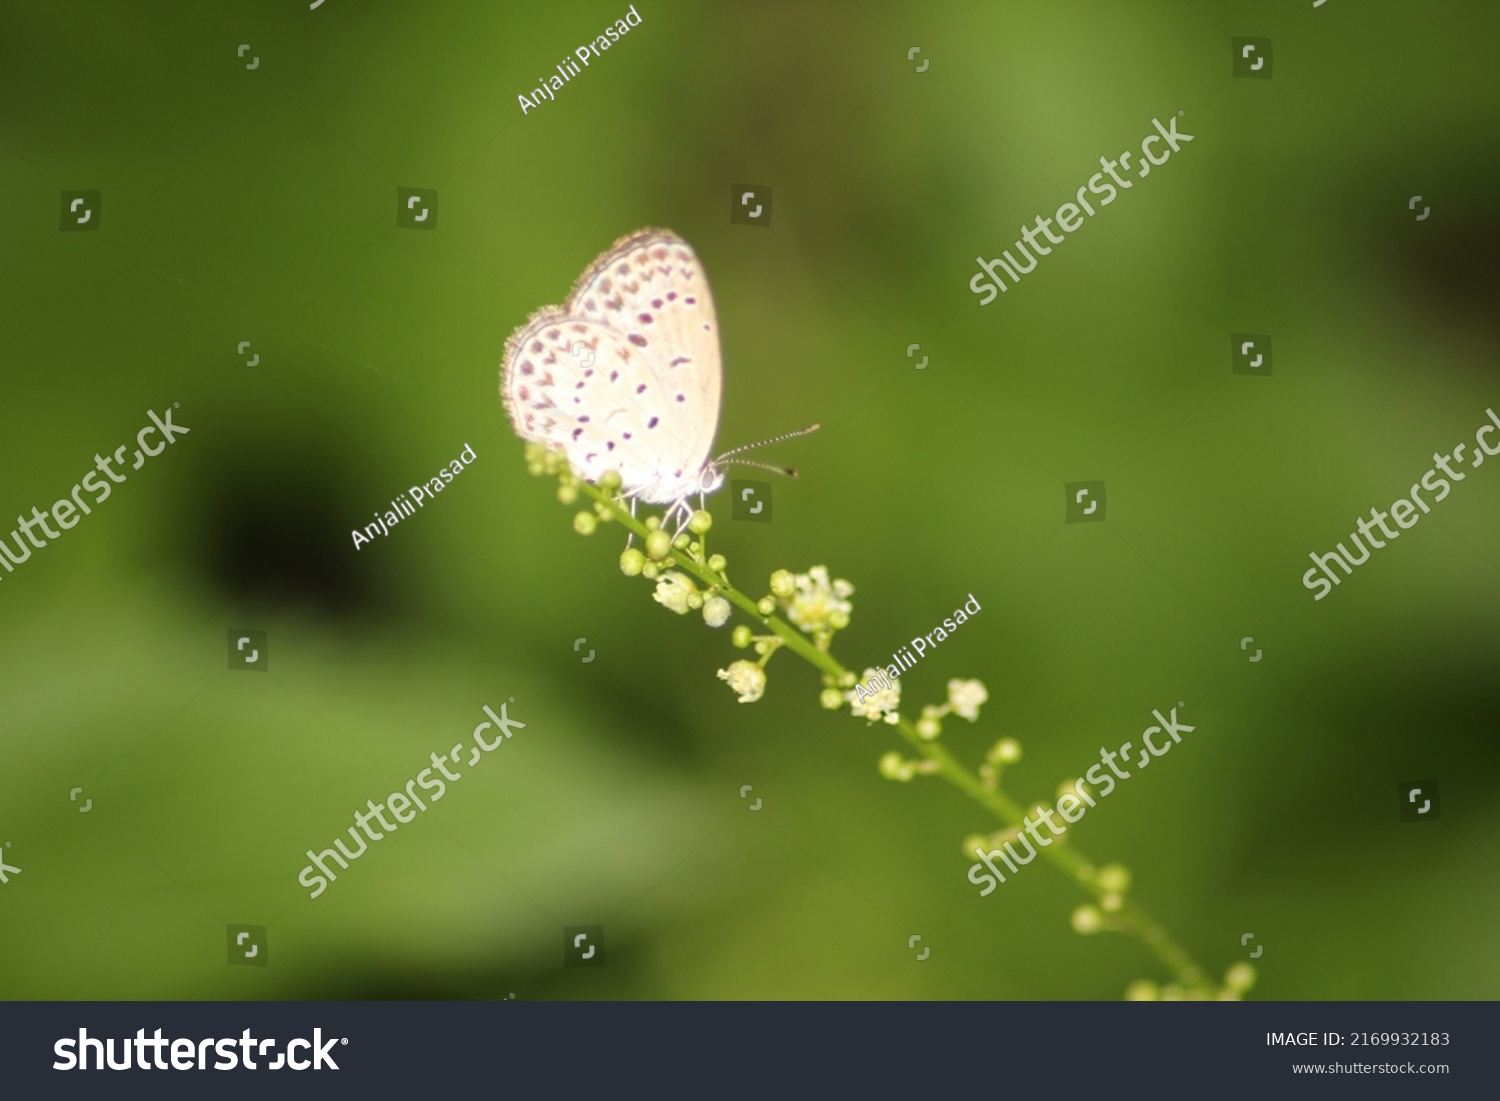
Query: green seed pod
[584,523]
[700,523]
[650,571]
[609,481]
[783,584]
[717,562]
[741,636]
[767,606]
[680,542]
[567,494]
[831,698]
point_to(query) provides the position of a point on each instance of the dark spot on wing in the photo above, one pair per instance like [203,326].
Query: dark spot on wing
[690,300]
[681,398]
[671,296]
[613,375]
[656,303]
[536,347]
[583,419]
[577,432]
[645,319]
[610,445]
[638,340]
[641,389]
[652,422]
[680,359]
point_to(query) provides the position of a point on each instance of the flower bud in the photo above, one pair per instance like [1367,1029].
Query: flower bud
[695,601]
[717,562]
[766,606]
[700,523]
[584,523]
[928,728]
[1087,920]
[1240,977]
[650,571]
[741,636]
[567,493]
[838,620]
[1006,751]
[609,481]
[783,584]
[831,698]
[632,562]
[658,545]
[894,767]
[1114,878]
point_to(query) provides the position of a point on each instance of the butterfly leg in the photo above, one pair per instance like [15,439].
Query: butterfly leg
[630,535]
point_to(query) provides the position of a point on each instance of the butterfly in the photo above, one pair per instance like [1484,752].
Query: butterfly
[626,375]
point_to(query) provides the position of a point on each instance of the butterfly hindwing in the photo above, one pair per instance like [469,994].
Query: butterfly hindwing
[584,389]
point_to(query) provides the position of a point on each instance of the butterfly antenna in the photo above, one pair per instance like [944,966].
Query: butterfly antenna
[764,443]
[788,471]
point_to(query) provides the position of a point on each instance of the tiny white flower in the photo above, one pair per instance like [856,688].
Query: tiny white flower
[716,611]
[745,678]
[816,600]
[965,697]
[876,701]
[673,590]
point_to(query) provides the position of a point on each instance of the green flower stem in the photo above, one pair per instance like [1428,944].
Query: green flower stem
[1073,863]
[1065,856]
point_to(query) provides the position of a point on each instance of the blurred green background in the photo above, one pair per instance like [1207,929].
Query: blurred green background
[259,205]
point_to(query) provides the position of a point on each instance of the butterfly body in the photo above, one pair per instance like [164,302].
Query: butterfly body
[625,375]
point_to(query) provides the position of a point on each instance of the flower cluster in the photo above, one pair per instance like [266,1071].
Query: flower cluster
[816,607]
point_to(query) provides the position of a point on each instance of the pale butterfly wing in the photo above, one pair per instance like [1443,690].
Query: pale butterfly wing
[641,394]
[602,407]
